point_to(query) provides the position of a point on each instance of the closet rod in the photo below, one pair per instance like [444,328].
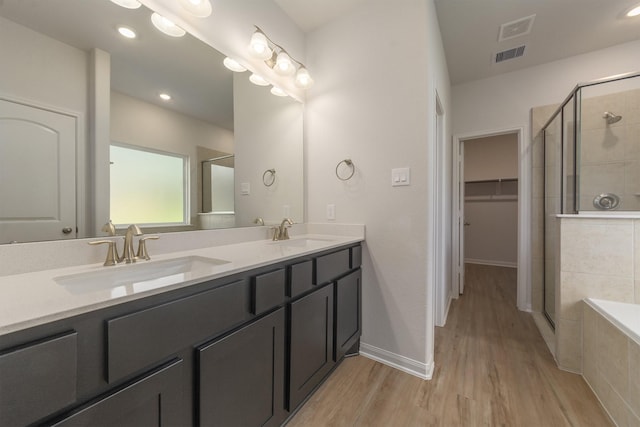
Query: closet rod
[480,181]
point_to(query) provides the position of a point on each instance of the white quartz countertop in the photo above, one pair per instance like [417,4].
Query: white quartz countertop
[35,298]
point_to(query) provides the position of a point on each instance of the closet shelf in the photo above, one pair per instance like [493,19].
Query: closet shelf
[481,181]
[491,198]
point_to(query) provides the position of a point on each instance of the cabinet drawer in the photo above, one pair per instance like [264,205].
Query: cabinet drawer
[356,257]
[300,278]
[38,379]
[330,266]
[140,339]
[267,291]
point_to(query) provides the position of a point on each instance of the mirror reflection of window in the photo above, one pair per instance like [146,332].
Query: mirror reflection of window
[148,187]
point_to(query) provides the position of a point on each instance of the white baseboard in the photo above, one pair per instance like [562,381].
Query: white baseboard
[405,364]
[491,262]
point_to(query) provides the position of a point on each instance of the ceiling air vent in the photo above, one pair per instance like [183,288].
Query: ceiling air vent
[519,27]
[505,55]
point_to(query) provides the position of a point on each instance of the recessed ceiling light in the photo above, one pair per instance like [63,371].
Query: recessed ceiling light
[634,12]
[129,4]
[199,8]
[165,97]
[166,25]
[127,32]
[233,65]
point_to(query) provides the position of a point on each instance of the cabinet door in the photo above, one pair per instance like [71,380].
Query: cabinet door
[241,376]
[153,400]
[311,343]
[348,312]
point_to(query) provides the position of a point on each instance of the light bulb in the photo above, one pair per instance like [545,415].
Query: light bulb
[284,66]
[129,4]
[278,91]
[259,46]
[166,26]
[165,96]
[634,12]
[303,79]
[233,65]
[199,8]
[258,80]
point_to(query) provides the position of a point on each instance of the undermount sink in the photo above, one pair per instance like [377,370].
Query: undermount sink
[139,277]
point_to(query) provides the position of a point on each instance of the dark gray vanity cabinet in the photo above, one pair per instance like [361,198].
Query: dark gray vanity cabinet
[348,312]
[153,400]
[241,376]
[311,335]
[242,350]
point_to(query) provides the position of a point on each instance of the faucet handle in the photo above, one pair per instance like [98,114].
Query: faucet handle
[109,228]
[276,233]
[112,251]
[142,247]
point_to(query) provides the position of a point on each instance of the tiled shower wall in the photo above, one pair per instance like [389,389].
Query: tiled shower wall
[610,153]
[613,153]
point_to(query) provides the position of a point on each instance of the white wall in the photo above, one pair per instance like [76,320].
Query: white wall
[506,100]
[381,115]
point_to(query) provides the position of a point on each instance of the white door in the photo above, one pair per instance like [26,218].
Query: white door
[37,174]
[459,224]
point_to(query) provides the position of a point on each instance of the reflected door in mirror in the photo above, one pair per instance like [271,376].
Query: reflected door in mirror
[37,174]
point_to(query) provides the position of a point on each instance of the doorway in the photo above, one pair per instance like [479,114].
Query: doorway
[494,192]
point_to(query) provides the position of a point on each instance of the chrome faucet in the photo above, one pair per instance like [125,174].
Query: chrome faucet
[128,255]
[282,232]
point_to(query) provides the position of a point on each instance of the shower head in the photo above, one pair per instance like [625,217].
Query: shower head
[611,118]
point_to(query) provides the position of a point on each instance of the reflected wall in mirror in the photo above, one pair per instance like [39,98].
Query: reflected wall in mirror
[71,86]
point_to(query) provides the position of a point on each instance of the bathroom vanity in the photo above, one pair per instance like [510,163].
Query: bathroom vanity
[245,346]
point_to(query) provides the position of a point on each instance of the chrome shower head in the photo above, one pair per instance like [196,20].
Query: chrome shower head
[611,118]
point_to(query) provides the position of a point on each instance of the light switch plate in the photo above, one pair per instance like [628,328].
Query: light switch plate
[245,188]
[400,177]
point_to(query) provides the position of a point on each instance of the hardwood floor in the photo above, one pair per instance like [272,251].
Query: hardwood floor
[492,369]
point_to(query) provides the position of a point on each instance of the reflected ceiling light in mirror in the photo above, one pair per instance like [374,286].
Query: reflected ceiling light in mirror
[277,91]
[199,8]
[127,32]
[258,80]
[303,79]
[129,4]
[259,46]
[166,26]
[233,65]
[165,96]
[635,11]
[278,59]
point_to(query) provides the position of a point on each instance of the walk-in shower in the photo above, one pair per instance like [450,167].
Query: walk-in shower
[591,165]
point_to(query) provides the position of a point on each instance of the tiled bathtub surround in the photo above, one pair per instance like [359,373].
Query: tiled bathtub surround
[599,258]
[611,363]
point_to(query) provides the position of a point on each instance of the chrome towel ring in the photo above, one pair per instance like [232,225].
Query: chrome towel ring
[350,165]
[269,177]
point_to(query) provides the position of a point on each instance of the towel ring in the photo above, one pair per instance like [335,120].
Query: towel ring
[350,164]
[269,177]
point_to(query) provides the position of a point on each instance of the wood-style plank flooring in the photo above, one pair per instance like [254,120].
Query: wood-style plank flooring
[492,369]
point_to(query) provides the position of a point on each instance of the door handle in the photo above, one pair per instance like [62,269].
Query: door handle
[466,223]
[67,230]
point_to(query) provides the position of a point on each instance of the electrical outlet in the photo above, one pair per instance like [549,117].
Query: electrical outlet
[286,211]
[331,212]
